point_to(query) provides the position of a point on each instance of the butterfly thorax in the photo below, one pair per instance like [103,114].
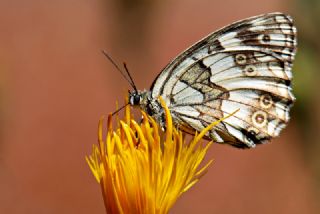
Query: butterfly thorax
[145,101]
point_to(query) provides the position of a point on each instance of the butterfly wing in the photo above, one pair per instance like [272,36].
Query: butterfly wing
[246,66]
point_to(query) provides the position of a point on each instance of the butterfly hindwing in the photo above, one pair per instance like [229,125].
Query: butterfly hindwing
[245,66]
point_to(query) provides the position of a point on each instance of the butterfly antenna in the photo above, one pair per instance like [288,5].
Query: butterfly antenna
[122,107]
[127,70]
[122,73]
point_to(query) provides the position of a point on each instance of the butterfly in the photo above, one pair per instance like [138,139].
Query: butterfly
[246,65]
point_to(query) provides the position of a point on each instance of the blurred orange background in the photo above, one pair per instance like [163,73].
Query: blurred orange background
[55,84]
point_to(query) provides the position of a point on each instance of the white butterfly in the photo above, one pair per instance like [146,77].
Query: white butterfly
[246,65]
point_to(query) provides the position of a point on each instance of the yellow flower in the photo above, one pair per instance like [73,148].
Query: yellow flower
[139,172]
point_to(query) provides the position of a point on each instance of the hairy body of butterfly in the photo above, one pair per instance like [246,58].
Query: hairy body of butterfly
[246,66]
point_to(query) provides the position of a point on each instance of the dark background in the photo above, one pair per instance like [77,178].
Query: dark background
[55,84]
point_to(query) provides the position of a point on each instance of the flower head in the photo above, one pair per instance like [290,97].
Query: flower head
[139,172]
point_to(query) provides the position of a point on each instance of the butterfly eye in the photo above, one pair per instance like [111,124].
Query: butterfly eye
[136,99]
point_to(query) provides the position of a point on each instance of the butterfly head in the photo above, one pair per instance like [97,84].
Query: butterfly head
[135,98]
[143,100]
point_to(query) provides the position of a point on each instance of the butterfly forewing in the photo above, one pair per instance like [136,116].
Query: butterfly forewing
[245,66]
